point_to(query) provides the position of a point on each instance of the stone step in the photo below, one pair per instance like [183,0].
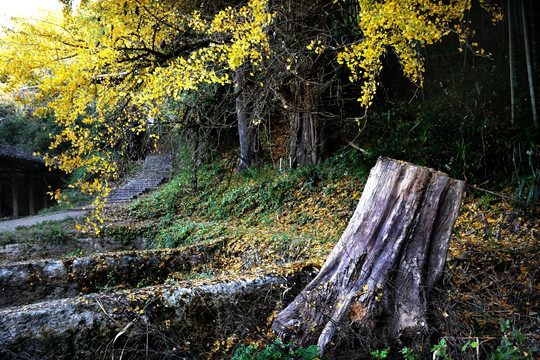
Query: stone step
[28,282]
[156,168]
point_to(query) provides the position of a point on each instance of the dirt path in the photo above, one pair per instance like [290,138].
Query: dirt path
[10,225]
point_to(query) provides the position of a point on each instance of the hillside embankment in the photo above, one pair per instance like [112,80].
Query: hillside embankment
[259,227]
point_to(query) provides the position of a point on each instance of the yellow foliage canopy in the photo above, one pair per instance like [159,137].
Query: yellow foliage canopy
[111,65]
[92,68]
[404,27]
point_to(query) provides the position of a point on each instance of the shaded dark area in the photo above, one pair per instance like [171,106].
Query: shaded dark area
[24,182]
[461,121]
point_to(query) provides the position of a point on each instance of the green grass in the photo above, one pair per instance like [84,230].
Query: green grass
[226,204]
[45,233]
[259,192]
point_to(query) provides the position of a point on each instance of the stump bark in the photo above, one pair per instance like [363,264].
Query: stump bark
[380,274]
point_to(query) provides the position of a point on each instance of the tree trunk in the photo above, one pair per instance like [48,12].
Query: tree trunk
[533,10]
[387,261]
[247,132]
[306,143]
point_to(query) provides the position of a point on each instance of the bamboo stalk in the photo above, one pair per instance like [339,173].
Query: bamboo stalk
[529,67]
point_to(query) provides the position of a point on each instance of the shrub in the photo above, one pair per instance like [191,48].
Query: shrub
[276,351]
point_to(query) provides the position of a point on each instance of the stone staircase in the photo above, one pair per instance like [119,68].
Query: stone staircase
[156,168]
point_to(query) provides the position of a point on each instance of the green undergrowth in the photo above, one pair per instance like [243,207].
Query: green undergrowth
[265,216]
[222,194]
[275,215]
[45,233]
[277,351]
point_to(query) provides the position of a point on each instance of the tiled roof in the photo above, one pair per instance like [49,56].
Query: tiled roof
[12,152]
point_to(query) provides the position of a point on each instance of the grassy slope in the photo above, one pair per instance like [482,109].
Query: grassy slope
[267,217]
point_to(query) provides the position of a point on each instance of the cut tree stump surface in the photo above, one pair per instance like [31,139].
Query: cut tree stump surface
[379,276]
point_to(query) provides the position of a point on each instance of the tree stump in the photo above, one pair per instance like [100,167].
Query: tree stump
[381,272]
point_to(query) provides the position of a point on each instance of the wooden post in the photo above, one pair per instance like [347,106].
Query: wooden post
[378,278]
[30,185]
[14,192]
[45,195]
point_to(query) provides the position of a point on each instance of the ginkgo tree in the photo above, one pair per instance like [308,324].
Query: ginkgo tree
[92,68]
[107,68]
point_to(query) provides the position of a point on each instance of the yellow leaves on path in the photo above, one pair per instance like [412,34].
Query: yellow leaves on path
[493,264]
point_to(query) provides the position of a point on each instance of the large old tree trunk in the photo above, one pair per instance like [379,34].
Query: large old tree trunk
[247,130]
[305,144]
[303,109]
[380,273]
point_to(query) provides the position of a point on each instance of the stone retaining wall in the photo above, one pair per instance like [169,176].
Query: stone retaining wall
[182,321]
[32,281]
